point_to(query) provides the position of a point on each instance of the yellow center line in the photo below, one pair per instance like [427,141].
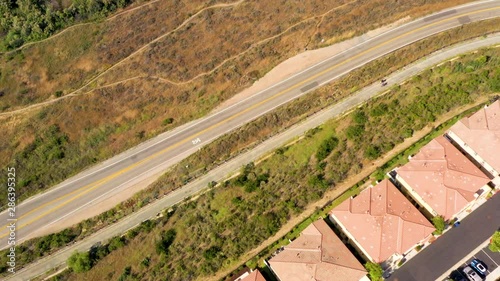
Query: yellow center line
[85,189]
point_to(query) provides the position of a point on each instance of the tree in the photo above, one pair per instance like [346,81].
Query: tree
[354,131]
[167,121]
[379,109]
[326,148]
[80,262]
[167,238]
[439,224]
[211,252]
[375,271]
[116,243]
[372,152]
[495,242]
[359,117]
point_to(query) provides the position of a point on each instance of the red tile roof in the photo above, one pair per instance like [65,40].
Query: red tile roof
[382,221]
[444,178]
[481,132]
[317,255]
[254,276]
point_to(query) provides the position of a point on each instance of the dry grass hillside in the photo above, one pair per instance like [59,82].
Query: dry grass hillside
[119,81]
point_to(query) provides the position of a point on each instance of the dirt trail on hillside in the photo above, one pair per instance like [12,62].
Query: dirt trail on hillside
[345,185]
[304,61]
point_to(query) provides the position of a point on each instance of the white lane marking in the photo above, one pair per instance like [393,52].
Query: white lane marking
[490,257]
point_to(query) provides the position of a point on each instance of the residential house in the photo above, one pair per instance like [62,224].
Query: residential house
[382,223]
[479,136]
[441,179]
[317,255]
[251,276]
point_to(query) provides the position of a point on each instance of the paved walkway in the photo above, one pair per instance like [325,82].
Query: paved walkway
[494,276]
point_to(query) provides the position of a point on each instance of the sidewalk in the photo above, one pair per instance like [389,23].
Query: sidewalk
[494,275]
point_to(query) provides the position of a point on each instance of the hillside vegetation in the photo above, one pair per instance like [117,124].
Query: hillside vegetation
[251,134]
[32,20]
[122,80]
[213,231]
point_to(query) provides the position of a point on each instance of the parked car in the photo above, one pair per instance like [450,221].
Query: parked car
[471,274]
[456,275]
[479,267]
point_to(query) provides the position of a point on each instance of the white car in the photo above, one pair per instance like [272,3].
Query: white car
[471,274]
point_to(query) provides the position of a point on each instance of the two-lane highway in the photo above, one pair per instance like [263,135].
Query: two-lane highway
[76,196]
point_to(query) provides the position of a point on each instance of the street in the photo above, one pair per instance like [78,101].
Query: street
[455,244]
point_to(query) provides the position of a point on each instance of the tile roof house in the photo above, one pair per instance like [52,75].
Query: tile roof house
[382,222]
[479,136]
[251,276]
[317,255]
[441,179]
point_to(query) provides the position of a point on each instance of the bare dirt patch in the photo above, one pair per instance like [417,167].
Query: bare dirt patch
[303,61]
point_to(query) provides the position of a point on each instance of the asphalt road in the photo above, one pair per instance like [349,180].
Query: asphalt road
[490,259]
[455,244]
[221,172]
[76,196]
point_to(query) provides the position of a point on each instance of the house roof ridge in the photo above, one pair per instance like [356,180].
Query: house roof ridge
[298,262]
[485,115]
[370,205]
[410,221]
[380,239]
[304,250]
[481,175]
[346,266]
[399,240]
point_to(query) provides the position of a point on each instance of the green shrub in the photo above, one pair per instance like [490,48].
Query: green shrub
[116,243]
[439,224]
[145,262]
[167,121]
[354,131]
[127,271]
[211,252]
[495,242]
[372,152]
[326,147]
[359,117]
[318,180]
[379,109]
[375,271]
[236,200]
[80,262]
[167,238]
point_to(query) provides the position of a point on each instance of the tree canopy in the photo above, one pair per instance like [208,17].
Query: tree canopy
[495,242]
[31,20]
